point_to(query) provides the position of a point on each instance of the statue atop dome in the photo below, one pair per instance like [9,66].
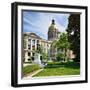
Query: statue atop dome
[53,21]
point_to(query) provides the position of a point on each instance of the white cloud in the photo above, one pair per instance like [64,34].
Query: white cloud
[38,22]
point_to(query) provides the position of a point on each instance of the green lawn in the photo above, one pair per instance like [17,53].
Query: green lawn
[30,68]
[58,69]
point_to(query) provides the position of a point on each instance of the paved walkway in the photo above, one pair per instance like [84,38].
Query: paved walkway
[32,74]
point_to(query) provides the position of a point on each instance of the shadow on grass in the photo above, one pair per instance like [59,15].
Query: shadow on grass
[73,65]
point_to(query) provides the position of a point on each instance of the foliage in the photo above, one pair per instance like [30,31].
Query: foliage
[62,44]
[63,64]
[74,34]
[45,56]
[39,49]
[60,56]
[30,68]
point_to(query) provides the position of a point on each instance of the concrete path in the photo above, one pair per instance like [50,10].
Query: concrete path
[32,74]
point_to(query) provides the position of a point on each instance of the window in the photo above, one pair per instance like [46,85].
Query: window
[29,53]
[29,41]
[38,46]
[29,46]
[37,41]
[40,57]
[28,59]
[33,54]
[32,58]
[33,47]
[33,42]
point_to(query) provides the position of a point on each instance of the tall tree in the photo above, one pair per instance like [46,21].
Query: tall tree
[74,34]
[62,44]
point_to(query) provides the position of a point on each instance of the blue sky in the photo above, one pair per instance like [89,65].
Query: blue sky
[38,22]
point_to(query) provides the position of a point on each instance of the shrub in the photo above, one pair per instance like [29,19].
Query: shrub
[53,64]
[30,68]
[60,56]
[73,65]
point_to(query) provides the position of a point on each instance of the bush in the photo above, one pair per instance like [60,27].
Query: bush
[30,68]
[60,56]
[54,64]
[73,65]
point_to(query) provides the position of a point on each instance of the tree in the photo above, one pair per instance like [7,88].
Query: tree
[45,56]
[60,56]
[40,50]
[62,44]
[74,34]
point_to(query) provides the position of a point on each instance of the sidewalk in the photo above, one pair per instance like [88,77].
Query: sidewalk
[32,74]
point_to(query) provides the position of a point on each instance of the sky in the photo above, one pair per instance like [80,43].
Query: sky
[39,22]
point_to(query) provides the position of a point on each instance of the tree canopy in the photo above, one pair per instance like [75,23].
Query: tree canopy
[62,44]
[74,34]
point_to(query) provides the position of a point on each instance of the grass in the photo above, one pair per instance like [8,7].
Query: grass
[59,69]
[30,68]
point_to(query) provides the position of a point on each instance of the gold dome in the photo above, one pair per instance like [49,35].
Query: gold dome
[53,31]
[53,27]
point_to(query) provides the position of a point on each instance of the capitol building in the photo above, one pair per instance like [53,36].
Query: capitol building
[32,41]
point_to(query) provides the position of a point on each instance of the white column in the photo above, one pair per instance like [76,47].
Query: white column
[35,44]
[40,42]
[27,43]
[26,56]
[31,45]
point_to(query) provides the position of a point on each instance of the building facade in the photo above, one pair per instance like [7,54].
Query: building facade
[32,41]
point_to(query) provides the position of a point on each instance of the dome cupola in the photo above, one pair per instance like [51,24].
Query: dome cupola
[52,31]
[52,26]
